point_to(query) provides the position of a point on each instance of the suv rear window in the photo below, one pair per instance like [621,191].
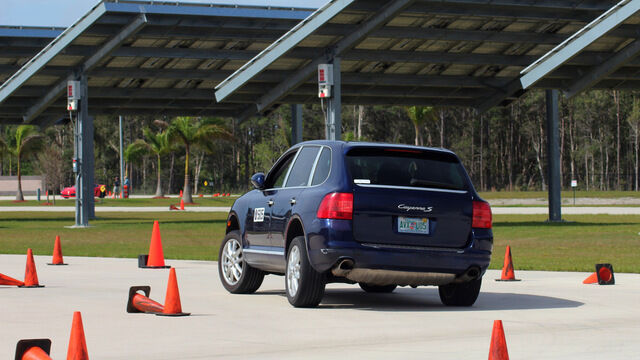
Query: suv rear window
[406,167]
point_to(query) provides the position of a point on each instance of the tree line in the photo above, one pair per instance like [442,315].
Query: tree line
[502,149]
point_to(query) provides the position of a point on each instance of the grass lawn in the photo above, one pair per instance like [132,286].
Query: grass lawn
[576,245]
[184,235]
[490,195]
[199,201]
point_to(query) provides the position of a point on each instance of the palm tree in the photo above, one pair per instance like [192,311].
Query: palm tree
[156,143]
[419,115]
[27,142]
[190,131]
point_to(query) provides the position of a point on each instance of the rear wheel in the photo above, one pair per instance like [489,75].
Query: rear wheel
[303,284]
[460,294]
[236,275]
[380,289]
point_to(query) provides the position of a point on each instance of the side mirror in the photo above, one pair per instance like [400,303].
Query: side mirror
[258,180]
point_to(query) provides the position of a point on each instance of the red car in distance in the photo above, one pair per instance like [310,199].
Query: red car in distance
[70,192]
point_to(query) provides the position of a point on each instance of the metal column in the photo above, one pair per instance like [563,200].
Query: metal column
[121,159]
[296,124]
[84,140]
[334,106]
[553,156]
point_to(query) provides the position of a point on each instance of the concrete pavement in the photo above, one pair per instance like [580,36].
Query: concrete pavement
[547,315]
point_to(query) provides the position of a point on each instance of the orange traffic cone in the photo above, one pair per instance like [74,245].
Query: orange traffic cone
[507,268]
[77,343]
[30,274]
[172,305]
[602,276]
[498,347]
[180,193]
[201,195]
[33,349]
[216,194]
[57,253]
[155,258]
[8,280]
[181,204]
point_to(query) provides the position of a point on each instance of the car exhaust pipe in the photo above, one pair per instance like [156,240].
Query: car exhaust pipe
[472,273]
[344,267]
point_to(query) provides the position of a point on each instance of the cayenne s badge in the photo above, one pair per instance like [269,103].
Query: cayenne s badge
[426,209]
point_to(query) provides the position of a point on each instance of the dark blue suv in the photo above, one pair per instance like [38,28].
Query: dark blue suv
[380,215]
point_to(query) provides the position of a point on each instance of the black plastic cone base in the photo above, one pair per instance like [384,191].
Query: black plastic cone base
[56,264]
[31,286]
[24,345]
[605,281]
[176,314]
[142,263]
[507,280]
[132,292]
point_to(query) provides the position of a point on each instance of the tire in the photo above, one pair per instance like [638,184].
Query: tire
[380,289]
[303,284]
[462,294]
[236,275]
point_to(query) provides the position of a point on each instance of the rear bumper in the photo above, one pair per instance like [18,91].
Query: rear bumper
[334,243]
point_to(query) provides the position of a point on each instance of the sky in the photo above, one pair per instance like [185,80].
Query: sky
[62,13]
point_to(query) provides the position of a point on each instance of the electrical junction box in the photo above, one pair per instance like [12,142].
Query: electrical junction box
[73,95]
[325,80]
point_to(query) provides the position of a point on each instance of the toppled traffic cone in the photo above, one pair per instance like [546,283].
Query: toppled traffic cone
[33,349]
[173,207]
[30,273]
[602,276]
[57,253]
[216,194]
[7,280]
[498,347]
[155,258]
[507,268]
[77,343]
[181,204]
[139,303]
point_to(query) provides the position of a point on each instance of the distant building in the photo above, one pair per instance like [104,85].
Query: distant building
[30,185]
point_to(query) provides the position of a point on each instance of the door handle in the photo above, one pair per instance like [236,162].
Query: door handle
[292,201]
[270,203]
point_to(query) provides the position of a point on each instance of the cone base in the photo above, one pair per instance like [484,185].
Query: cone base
[56,264]
[31,286]
[508,279]
[176,314]
[155,267]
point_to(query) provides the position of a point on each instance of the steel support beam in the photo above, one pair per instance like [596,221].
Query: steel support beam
[603,70]
[333,127]
[121,154]
[578,42]
[553,156]
[296,124]
[90,63]
[84,162]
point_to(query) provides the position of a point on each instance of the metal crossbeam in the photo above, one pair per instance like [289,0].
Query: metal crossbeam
[92,61]
[579,41]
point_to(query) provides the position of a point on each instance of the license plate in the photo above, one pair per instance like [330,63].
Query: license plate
[409,225]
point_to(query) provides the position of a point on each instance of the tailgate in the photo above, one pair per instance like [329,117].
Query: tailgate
[411,217]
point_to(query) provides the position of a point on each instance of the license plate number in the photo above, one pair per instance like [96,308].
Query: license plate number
[409,225]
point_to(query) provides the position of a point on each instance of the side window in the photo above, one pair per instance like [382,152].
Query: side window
[279,172]
[301,169]
[323,167]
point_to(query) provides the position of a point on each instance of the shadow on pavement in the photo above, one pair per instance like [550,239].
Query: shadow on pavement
[428,300]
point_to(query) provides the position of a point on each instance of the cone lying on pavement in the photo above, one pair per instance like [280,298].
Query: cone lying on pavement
[507,269]
[7,280]
[77,343]
[155,258]
[57,253]
[602,276]
[138,303]
[33,349]
[30,273]
[498,347]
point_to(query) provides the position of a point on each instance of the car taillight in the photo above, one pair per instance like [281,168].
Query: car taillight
[336,206]
[481,215]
